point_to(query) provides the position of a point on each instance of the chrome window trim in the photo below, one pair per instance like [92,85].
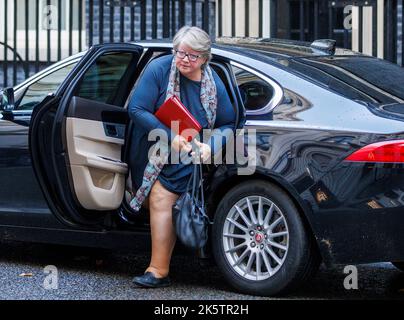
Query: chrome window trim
[278,92]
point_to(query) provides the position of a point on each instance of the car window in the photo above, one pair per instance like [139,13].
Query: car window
[37,91]
[359,78]
[102,80]
[254,91]
[154,55]
[148,56]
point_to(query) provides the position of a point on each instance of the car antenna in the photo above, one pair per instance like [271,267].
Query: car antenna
[324,46]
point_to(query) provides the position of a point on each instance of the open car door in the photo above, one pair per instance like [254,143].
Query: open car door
[77,136]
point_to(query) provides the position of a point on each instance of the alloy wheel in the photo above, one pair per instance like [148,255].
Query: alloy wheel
[255,238]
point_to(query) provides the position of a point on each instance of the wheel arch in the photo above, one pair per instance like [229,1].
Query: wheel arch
[225,185]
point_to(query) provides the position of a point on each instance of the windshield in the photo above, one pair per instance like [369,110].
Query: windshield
[356,77]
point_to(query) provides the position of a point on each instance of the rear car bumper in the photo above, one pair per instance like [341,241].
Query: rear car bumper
[358,213]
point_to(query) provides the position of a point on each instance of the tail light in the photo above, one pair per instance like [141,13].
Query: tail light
[386,151]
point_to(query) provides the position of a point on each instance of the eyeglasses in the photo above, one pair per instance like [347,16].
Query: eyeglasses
[182,54]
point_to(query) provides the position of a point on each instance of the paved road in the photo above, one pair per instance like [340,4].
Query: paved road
[99,274]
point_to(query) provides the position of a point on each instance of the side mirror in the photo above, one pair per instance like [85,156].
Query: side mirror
[7,99]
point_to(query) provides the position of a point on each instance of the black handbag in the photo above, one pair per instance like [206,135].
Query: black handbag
[189,217]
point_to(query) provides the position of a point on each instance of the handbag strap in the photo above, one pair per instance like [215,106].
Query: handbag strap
[194,179]
[201,184]
[197,178]
[199,190]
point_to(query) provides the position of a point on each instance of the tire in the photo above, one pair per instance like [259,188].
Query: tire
[294,262]
[399,265]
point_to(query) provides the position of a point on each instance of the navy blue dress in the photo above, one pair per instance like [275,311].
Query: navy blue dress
[149,95]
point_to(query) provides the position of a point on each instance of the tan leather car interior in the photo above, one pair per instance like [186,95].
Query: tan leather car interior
[97,171]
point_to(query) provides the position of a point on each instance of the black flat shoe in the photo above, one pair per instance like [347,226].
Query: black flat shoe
[148,280]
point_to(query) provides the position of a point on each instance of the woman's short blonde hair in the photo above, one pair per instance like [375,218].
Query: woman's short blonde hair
[195,38]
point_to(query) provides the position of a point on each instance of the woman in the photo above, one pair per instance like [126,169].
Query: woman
[187,75]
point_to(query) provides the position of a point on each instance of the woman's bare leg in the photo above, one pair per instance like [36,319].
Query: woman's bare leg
[162,229]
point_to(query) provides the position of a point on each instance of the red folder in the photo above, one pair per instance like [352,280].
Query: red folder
[173,110]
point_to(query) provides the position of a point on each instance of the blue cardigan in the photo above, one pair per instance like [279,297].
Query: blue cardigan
[149,94]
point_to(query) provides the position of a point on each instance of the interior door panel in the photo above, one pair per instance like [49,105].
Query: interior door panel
[95,134]
[77,135]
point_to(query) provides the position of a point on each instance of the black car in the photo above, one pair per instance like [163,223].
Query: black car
[328,180]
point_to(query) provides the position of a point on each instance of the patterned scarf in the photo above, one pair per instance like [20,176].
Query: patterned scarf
[160,150]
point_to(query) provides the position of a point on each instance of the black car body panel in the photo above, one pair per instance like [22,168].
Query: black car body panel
[358,212]
[353,209]
[15,166]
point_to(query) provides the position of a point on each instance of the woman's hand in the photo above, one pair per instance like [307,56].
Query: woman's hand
[179,143]
[204,150]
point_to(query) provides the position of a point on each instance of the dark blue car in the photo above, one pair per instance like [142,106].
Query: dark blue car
[328,178]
